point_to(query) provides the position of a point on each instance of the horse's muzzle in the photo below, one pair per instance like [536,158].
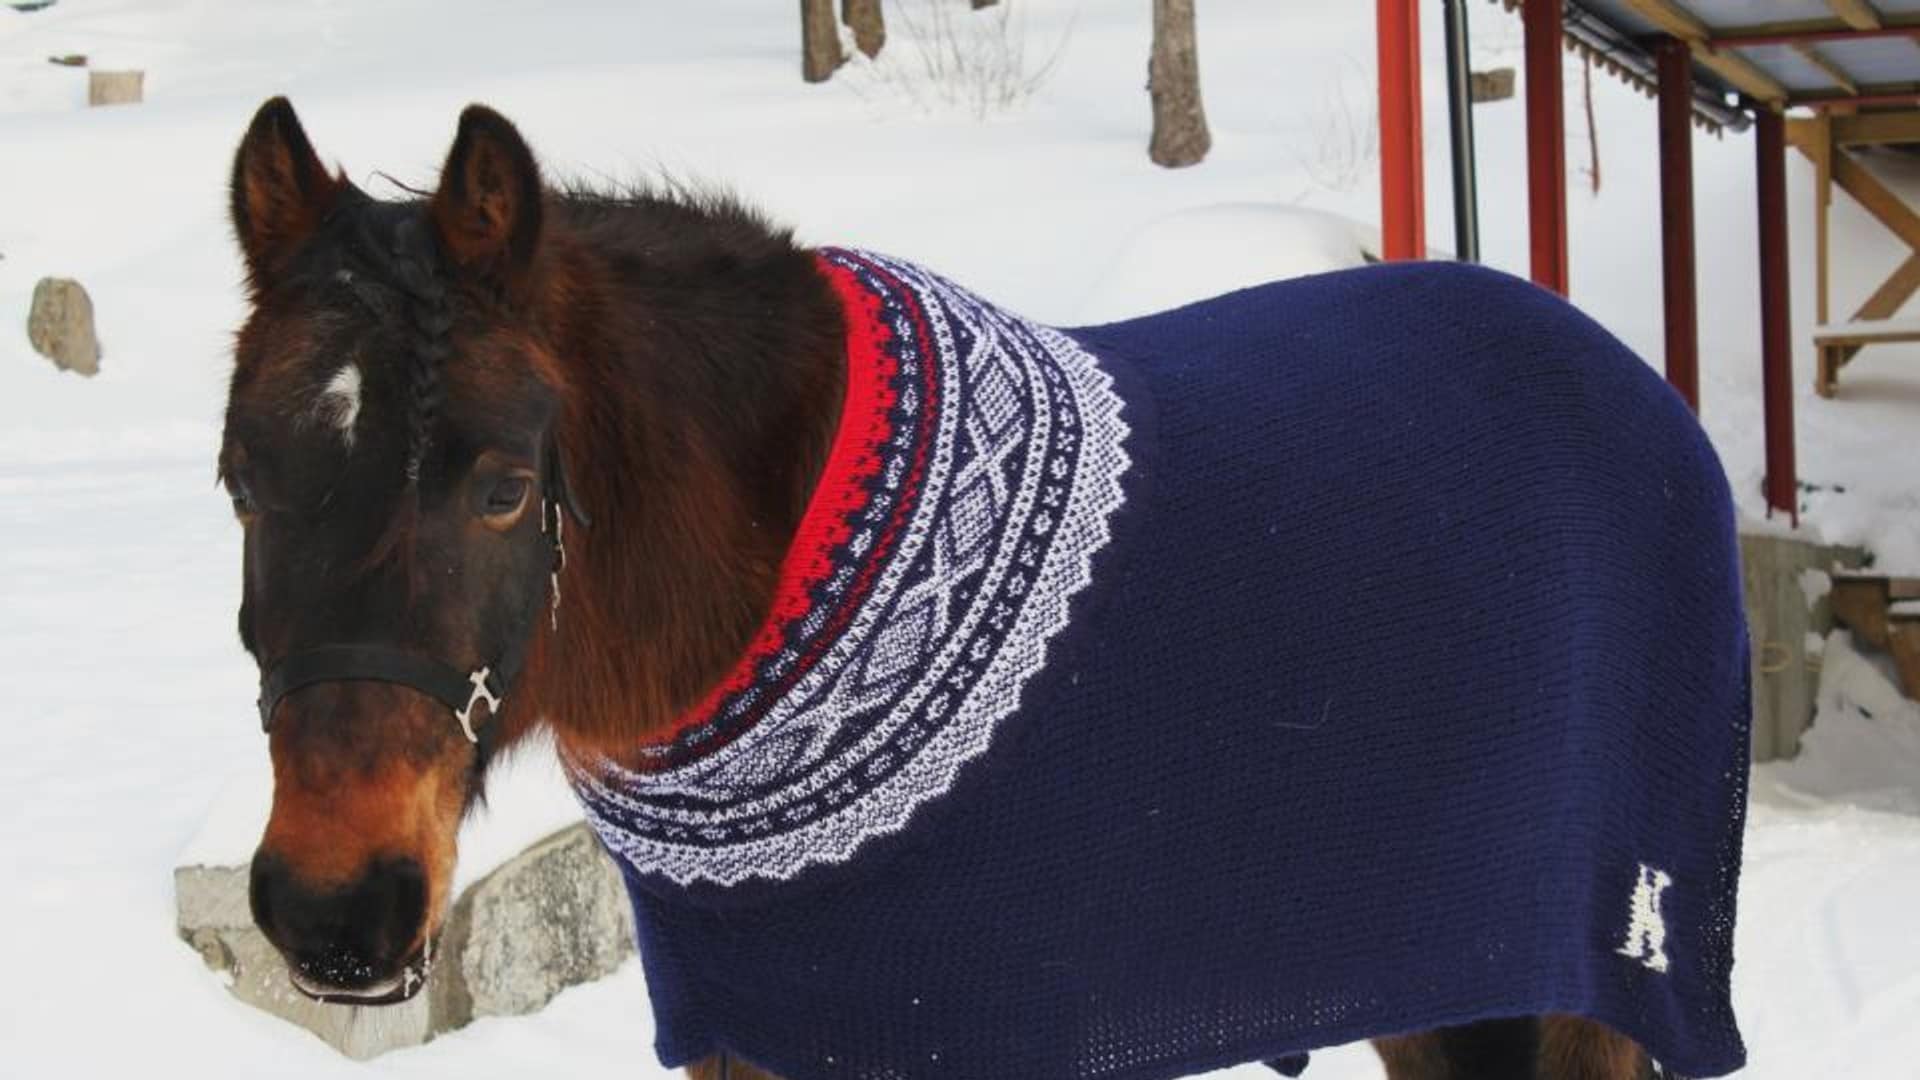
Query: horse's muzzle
[364,943]
[399,987]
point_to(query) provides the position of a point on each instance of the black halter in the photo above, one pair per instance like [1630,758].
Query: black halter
[460,691]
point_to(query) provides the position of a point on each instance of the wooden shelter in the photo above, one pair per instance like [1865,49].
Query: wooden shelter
[1852,67]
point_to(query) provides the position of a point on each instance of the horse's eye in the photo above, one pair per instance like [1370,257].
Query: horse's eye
[243,504]
[506,497]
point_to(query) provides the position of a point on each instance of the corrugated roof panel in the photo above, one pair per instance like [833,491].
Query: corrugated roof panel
[1792,70]
[1720,14]
[1622,17]
[1876,60]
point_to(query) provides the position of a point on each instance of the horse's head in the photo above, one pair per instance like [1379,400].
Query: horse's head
[390,450]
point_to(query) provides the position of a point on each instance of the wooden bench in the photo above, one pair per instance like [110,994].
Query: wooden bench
[1838,342]
[1883,612]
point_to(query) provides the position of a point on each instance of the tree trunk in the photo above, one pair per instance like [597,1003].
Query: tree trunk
[868,24]
[819,40]
[978,4]
[1173,78]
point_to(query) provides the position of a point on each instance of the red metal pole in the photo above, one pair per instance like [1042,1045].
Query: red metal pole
[1676,218]
[1546,144]
[1403,212]
[1776,328]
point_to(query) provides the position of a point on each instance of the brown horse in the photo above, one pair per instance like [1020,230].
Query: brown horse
[408,553]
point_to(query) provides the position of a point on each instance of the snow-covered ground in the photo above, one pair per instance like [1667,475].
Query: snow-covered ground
[127,734]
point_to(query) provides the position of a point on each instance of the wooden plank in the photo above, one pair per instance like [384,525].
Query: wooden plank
[1877,199]
[1674,20]
[1822,212]
[1874,129]
[1900,93]
[1900,285]
[1858,14]
[1903,641]
[1885,302]
[1795,27]
[1860,604]
[1863,337]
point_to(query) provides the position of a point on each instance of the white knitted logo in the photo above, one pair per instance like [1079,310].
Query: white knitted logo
[1646,927]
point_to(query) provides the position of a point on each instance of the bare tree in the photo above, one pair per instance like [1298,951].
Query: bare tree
[819,41]
[869,26]
[1180,134]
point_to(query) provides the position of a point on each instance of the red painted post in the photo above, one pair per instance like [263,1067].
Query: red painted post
[1776,328]
[1546,144]
[1676,218]
[1403,211]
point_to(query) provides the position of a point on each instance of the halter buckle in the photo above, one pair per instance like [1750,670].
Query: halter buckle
[481,692]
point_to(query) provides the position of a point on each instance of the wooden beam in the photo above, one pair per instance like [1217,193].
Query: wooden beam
[1823,154]
[1858,14]
[1874,129]
[1775,32]
[1905,93]
[1673,20]
[1893,293]
[1827,67]
[1886,302]
[1878,199]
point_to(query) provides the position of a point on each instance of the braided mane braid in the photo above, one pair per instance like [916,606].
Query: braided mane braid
[415,265]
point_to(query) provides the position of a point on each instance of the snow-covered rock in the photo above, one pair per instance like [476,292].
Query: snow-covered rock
[552,917]
[60,326]
[538,908]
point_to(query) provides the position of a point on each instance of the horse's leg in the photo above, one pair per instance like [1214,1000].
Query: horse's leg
[722,1067]
[1576,1048]
[1487,1050]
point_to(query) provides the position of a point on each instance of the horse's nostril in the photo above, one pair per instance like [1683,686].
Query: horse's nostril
[353,936]
[336,967]
[260,886]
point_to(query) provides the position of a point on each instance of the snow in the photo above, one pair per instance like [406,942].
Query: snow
[130,741]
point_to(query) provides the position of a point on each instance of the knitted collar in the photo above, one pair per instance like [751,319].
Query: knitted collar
[970,483]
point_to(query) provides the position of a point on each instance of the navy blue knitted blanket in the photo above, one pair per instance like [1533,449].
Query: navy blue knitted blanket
[1341,657]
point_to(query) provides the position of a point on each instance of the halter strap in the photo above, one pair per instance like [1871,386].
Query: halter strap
[457,690]
[462,692]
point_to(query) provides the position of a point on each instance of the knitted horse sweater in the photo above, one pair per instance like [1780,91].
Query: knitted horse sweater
[1341,657]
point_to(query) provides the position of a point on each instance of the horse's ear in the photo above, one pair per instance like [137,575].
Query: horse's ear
[487,210]
[279,191]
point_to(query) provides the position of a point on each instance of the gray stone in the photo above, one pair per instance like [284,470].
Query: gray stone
[1781,616]
[1493,85]
[554,916]
[60,325]
[116,87]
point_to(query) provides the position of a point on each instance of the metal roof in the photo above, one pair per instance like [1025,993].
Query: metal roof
[1767,53]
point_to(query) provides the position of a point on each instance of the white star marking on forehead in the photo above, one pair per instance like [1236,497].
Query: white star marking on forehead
[339,404]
